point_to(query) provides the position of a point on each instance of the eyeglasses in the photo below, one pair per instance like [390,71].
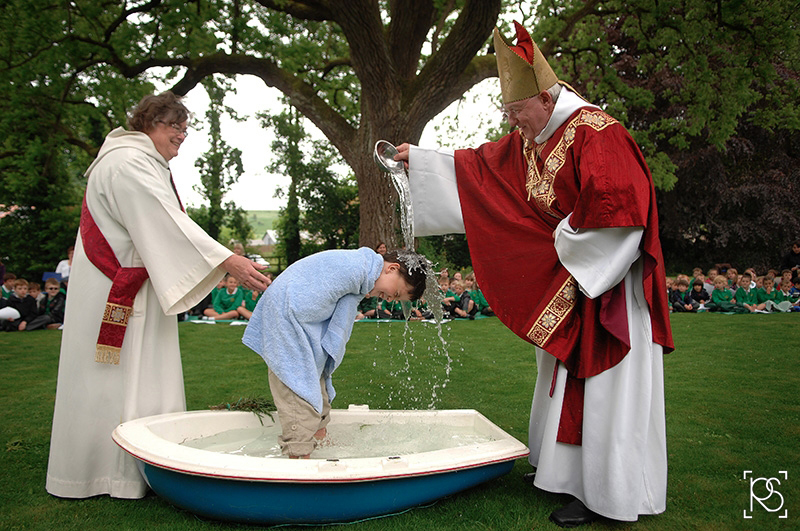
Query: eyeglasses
[513,113]
[178,129]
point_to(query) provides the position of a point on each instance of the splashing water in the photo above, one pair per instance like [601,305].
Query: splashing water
[384,157]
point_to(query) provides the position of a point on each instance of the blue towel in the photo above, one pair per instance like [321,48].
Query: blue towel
[304,320]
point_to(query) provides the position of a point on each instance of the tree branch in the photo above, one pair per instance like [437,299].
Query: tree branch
[570,22]
[433,86]
[300,94]
[305,10]
[410,22]
[152,4]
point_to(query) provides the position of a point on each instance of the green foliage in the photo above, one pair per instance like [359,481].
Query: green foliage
[681,75]
[220,168]
[40,189]
[736,206]
[329,204]
[289,135]
[678,72]
[449,251]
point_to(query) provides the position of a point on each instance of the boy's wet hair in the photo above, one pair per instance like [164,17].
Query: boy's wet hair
[413,269]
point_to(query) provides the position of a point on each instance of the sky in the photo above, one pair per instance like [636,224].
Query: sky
[255,189]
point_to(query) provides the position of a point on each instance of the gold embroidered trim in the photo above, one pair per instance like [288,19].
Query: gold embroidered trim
[554,313]
[117,314]
[540,185]
[107,354]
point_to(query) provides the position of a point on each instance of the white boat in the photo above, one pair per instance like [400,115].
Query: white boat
[274,490]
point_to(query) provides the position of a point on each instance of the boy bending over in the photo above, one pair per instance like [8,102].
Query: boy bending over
[303,322]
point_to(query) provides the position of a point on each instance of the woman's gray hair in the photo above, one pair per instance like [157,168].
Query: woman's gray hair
[165,107]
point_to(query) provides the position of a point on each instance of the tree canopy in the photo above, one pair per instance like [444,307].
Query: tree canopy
[678,73]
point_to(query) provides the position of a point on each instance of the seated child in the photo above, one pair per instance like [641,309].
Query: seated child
[368,308]
[302,324]
[448,297]
[461,305]
[786,274]
[745,296]
[7,289]
[681,298]
[795,291]
[765,295]
[51,308]
[7,313]
[35,291]
[250,299]
[476,295]
[783,301]
[392,310]
[733,276]
[721,298]
[670,284]
[710,276]
[227,301]
[419,310]
[699,293]
[24,304]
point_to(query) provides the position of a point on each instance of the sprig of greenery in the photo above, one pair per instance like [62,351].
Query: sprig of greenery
[258,405]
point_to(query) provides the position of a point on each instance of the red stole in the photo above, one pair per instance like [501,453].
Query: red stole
[126,282]
[591,168]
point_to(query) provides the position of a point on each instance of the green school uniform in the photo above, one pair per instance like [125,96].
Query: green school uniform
[744,296]
[226,302]
[762,296]
[721,300]
[449,293]
[249,302]
[367,304]
[393,306]
[477,297]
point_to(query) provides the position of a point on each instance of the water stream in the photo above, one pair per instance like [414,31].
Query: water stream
[436,350]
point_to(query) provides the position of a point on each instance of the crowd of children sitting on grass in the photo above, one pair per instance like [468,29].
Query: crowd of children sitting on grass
[23,305]
[461,299]
[724,289]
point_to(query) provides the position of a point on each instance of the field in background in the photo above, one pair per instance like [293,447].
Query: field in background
[261,221]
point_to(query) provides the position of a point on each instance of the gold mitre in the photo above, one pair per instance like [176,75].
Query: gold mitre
[522,69]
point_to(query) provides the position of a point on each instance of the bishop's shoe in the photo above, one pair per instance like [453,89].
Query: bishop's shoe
[573,514]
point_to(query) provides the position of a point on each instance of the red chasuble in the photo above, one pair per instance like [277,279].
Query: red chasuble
[592,168]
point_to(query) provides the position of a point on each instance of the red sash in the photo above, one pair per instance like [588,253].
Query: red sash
[125,284]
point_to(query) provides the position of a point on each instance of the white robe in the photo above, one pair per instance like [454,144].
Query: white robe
[620,470]
[133,203]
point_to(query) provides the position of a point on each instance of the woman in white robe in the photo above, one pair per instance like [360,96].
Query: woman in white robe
[132,200]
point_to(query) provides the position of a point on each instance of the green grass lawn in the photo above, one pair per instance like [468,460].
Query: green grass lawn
[732,404]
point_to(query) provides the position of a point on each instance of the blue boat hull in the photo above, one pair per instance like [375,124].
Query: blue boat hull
[269,502]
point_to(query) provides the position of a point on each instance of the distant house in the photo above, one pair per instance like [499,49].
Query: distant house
[270,238]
